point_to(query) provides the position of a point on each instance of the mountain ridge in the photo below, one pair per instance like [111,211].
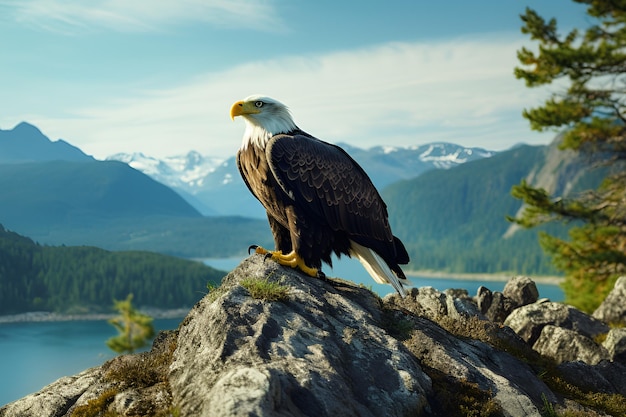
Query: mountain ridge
[451,220]
[212,186]
[68,198]
[455,221]
[26,143]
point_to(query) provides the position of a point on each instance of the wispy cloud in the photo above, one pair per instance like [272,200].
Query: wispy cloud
[77,16]
[457,90]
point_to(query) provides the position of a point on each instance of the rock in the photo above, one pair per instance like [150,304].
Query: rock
[433,304]
[426,302]
[55,399]
[521,290]
[528,321]
[494,305]
[605,377]
[321,352]
[484,297]
[128,385]
[565,345]
[613,308]
[518,390]
[615,344]
[328,347]
[500,308]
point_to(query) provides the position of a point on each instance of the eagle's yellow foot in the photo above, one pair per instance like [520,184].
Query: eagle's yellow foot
[292,259]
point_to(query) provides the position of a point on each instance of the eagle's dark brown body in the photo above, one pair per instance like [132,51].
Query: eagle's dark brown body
[318,200]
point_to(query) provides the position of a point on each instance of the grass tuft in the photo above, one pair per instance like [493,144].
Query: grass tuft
[265,289]
[98,406]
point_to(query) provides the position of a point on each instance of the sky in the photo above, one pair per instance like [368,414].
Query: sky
[159,76]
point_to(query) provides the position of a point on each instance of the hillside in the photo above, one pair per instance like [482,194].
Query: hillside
[455,220]
[111,205]
[26,143]
[57,195]
[76,193]
[87,279]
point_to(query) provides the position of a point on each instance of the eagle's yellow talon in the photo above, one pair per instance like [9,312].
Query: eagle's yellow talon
[291,260]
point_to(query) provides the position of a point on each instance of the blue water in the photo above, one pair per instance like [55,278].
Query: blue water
[33,355]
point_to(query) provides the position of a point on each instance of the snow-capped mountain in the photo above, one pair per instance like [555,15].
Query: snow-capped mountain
[387,164]
[446,155]
[186,172]
[213,186]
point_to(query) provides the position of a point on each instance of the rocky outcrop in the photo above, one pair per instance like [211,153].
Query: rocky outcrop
[273,342]
[613,308]
[521,291]
[615,344]
[496,306]
[565,345]
[529,321]
[321,352]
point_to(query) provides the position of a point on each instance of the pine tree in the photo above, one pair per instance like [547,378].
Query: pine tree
[590,110]
[135,329]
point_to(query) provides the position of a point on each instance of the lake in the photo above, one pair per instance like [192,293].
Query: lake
[33,355]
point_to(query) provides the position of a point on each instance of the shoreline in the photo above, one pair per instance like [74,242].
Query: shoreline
[479,276]
[45,316]
[156,313]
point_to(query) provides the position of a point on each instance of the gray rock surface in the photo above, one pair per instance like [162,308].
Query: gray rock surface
[517,388]
[613,308]
[55,399]
[500,308]
[494,305]
[521,290]
[330,348]
[434,304]
[528,321]
[615,344]
[321,352]
[605,377]
[564,345]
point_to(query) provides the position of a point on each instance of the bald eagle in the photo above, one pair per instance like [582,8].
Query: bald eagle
[318,199]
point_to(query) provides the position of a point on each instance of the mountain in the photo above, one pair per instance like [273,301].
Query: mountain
[26,143]
[214,187]
[55,194]
[76,193]
[186,172]
[454,220]
[183,173]
[450,219]
[386,164]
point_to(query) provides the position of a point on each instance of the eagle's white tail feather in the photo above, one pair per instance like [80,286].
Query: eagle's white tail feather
[377,267]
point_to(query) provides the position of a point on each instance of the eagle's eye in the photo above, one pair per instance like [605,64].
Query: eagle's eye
[258,104]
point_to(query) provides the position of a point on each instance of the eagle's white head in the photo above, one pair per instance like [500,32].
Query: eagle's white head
[264,116]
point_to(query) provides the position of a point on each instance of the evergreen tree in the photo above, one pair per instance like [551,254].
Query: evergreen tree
[591,112]
[135,328]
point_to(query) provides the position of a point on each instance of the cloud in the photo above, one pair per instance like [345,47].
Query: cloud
[458,90]
[77,16]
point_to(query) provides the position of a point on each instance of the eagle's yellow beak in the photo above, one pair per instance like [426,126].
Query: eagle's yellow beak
[243,107]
